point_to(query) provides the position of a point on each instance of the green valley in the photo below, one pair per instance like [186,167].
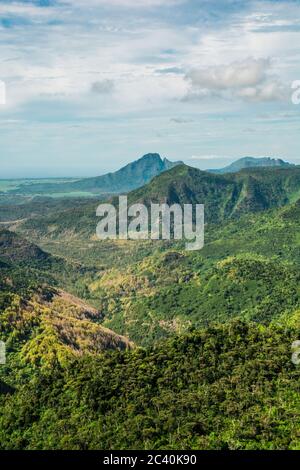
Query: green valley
[143,344]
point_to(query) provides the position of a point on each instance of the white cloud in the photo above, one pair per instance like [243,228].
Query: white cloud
[125,3]
[127,52]
[250,79]
[25,10]
[242,74]
[269,91]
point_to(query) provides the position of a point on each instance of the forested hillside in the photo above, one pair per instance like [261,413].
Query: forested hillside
[228,387]
[122,344]
[39,322]
[225,197]
[149,232]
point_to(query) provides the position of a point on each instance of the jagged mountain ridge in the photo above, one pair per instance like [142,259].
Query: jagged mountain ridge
[224,197]
[252,162]
[131,176]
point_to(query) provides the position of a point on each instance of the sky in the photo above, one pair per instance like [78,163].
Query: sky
[91,85]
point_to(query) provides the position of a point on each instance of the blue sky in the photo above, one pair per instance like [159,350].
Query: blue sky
[93,84]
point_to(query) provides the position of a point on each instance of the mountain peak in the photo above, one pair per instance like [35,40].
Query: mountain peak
[155,158]
[252,162]
[150,156]
[133,175]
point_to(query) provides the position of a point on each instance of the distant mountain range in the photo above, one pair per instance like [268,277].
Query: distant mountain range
[131,176]
[224,196]
[252,162]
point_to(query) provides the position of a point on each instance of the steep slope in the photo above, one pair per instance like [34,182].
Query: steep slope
[16,249]
[40,323]
[52,326]
[159,298]
[19,253]
[248,268]
[131,176]
[252,162]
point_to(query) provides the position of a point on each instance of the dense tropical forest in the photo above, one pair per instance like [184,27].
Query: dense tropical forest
[143,345]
